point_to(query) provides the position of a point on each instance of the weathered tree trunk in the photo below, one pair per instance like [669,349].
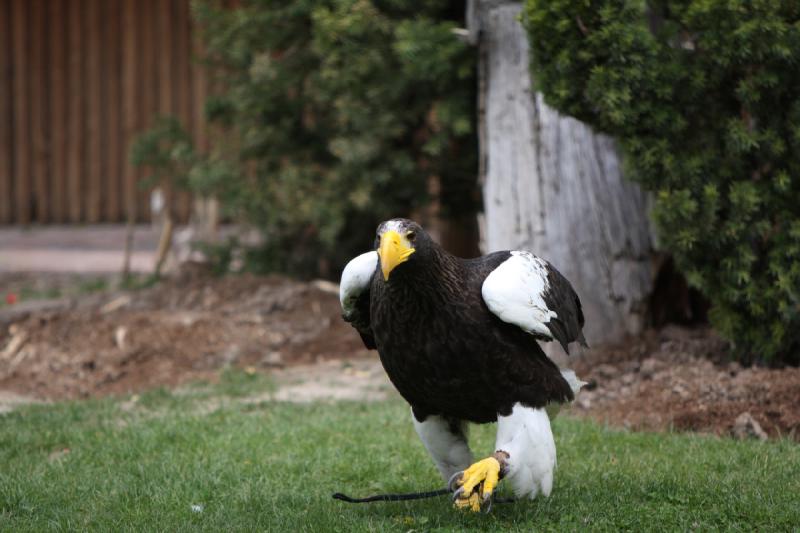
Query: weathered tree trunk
[554,187]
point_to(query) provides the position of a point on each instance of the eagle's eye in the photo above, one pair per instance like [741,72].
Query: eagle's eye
[411,236]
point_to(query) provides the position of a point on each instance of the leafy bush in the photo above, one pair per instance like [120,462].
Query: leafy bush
[166,151]
[336,114]
[703,98]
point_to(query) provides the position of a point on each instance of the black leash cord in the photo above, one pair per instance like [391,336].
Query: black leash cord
[392,497]
[404,497]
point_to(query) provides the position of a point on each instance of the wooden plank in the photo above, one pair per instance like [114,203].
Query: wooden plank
[166,71]
[130,109]
[200,128]
[58,111]
[39,110]
[94,80]
[147,22]
[6,117]
[111,127]
[22,138]
[199,90]
[75,112]
[183,52]
[166,59]
[183,92]
[149,89]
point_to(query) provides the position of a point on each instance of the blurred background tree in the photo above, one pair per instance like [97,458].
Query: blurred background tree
[335,115]
[167,151]
[702,97]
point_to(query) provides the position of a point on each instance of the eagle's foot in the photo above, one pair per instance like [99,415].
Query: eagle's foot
[475,485]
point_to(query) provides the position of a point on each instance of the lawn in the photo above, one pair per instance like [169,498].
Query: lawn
[208,458]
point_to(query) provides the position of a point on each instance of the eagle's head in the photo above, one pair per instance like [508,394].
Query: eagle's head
[400,240]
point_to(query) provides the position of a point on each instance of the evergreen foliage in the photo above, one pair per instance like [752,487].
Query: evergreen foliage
[167,151]
[335,115]
[703,98]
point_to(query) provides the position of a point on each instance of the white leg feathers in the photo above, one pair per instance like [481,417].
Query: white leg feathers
[446,442]
[526,437]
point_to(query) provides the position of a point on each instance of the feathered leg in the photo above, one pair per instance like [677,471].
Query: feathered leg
[525,454]
[527,440]
[446,441]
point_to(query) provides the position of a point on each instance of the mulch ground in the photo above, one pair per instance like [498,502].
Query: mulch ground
[190,327]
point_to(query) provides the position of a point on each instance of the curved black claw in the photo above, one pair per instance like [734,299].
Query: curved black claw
[454,479]
[487,501]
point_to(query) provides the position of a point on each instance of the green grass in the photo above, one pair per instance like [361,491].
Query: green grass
[141,465]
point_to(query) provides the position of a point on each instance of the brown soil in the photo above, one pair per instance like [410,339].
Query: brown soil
[177,331]
[191,327]
[681,378]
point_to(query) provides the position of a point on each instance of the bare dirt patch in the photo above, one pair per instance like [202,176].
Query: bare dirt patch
[178,331]
[359,379]
[9,401]
[682,379]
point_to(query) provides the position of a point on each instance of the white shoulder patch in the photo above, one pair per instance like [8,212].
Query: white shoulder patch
[356,277]
[514,292]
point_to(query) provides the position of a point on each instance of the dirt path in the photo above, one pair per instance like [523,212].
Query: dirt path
[71,249]
[358,379]
[10,401]
[327,381]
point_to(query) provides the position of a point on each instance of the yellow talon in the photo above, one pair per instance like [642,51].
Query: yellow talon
[473,502]
[483,475]
[491,480]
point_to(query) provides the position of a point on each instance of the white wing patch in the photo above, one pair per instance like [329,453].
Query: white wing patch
[356,277]
[514,292]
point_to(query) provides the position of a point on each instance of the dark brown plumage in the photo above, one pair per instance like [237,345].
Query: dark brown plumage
[445,351]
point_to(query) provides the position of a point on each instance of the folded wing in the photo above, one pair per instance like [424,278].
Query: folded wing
[354,294]
[530,293]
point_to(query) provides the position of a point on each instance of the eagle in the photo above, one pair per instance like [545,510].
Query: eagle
[458,340]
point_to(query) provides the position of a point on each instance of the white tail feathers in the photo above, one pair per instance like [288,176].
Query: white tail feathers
[574,383]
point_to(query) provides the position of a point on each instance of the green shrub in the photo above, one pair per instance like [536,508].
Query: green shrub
[703,98]
[335,115]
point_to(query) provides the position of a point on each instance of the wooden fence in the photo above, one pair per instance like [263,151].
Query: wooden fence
[78,80]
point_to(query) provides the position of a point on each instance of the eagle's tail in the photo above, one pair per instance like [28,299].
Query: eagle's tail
[574,383]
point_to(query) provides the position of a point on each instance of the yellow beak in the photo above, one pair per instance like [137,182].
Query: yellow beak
[393,250]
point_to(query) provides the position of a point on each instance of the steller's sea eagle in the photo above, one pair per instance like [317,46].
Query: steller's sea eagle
[457,337]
